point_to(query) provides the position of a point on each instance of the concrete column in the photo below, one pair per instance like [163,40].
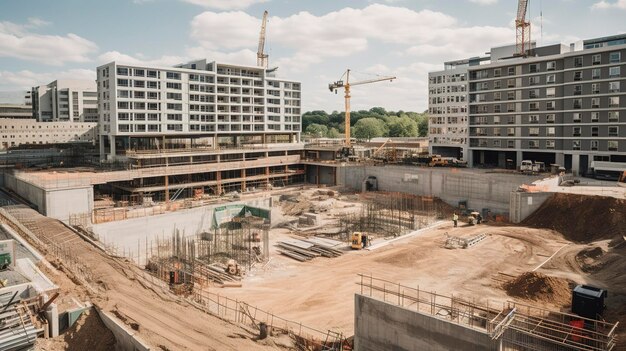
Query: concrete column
[575,164]
[560,158]
[243,182]
[482,157]
[519,155]
[102,154]
[501,159]
[52,315]
[112,147]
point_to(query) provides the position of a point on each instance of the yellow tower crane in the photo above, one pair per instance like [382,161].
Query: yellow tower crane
[261,57]
[346,85]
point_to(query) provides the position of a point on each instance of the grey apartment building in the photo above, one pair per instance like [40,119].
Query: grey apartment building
[558,105]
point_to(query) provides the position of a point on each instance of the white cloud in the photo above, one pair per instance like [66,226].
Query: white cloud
[484,2]
[124,58]
[17,41]
[601,5]
[225,4]
[26,79]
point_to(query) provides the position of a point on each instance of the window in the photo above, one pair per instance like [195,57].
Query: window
[551,66]
[578,103]
[139,72]
[576,117]
[533,119]
[123,127]
[533,94]
[594,131]
[139,84]
[614,72]
[153,95]
[497,84]
[594,145]
[578,61]
[533,80]
[122,71]
[550,92]
[550,105]
[550,131]
[595,88]
[153,85]
[615,57]
[510,83]
[510,144]
[510,95]
[496,108]
[613,116]
[510,131]
[177,86]
[550,78]
[550,118]
[595,73]
[596,59]
[497,96]
[613,87]
[613,145]
[174,117]
[122,104]
[595,116]
[123,116]
[172,75]
[613,131]
[510,107]
[496,119]
[140,116]
[578,75]
[511,71]
[122,82]
[595,102]
[497,72]
[576,131]
[152,74]
[175,127]
[533,144]
[533,106]
[578,89]
[614,101]
[154,117]
[576,145]
[534,131]
[496,131]
[176,107]
[550,144]
[123,93]
[174,96]
[533,68]
[497,143]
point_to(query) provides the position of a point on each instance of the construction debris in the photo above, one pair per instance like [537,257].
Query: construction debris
[308,249]
[455,242]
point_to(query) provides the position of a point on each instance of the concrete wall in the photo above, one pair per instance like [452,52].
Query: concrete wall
[380,326]
[131,234]
[523,205]
[326,175]
[480,188]
[125,338]
[57,203]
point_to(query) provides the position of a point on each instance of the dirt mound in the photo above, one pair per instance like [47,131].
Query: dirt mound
[540,287]
[590,259]
[88,333]
[581,218]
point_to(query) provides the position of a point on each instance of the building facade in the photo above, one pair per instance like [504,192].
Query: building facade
[194,105]
[13,111]
[557,106]
[65,101]
[16,132]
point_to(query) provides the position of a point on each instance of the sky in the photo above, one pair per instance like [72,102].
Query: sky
[312,41]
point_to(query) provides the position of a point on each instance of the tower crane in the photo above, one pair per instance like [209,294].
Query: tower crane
[522,29]
[346,85]
[261,57]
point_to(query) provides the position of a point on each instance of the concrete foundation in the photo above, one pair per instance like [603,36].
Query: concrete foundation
[480,188]
[380,326]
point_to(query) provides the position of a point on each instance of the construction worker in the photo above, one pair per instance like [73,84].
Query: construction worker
[455,219]
[479,219]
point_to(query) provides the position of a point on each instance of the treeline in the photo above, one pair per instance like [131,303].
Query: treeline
[364,124]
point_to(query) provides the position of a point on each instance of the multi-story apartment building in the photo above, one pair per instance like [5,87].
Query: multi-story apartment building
[196,104]
[13,111]
[65,101]
[16,132]
[557,105]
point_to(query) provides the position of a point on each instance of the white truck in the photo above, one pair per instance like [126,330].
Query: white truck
[528,166]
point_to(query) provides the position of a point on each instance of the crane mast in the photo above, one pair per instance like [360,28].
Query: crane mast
[346,86]
[261,57]
[522,29]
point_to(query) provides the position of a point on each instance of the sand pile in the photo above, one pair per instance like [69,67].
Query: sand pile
[540,287]
[581,218]
[88,333]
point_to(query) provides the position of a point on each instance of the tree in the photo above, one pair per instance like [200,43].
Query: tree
[368,128]
[316,130]
[402,127]
[333,133]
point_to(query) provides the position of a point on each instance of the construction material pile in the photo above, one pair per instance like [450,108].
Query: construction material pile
[540,287]
[297,205]
[581,218]
[308,249]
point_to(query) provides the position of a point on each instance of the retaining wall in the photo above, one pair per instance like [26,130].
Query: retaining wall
[480,188]
[125,338]
[523,205]
[380,326]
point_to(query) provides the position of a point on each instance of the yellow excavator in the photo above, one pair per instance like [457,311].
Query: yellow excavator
[360,241]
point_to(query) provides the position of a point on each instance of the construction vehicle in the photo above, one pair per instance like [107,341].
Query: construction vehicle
[437,161]
[360,241]
[622,180]
[528,166]
[474,218]
[346,85]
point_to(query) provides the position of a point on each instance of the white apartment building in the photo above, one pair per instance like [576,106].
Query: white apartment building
[16,132]
[196,104]
[65,101]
